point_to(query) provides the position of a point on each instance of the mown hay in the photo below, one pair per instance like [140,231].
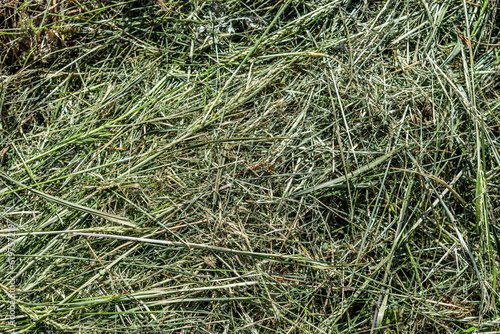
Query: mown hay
[275,166]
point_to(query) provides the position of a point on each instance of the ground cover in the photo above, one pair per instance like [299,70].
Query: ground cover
[249,166]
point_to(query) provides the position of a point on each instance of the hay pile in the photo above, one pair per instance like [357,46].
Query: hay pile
[249,166]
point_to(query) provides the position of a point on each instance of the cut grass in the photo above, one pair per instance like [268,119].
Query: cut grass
[255,166]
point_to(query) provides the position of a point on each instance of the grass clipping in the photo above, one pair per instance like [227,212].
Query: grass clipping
[249,166]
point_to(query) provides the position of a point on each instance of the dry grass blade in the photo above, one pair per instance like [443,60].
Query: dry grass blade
[105,215]
[355,173]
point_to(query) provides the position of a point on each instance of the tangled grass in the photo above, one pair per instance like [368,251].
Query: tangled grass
[249,166]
